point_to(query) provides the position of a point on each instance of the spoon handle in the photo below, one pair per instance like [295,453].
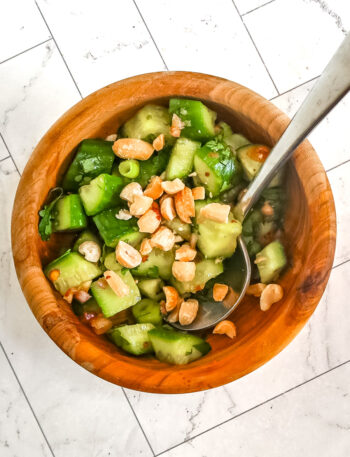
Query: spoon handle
[330,88]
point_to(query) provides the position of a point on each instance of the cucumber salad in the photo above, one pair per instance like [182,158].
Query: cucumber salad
[153,211]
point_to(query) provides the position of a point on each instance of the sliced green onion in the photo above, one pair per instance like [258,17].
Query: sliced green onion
[129,168]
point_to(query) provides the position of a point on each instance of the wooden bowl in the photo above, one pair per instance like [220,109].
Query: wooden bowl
[310,234]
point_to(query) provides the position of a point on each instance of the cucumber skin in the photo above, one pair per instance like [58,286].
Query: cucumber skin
[139,343]
[74,270]
[98,153]
[181,159]
[157,265]
[272,253]
[71,218]
[205,270]
[177,348]
[226,170]
[105,191]
[151,288]
[202,119]
[112,229]
[147,311]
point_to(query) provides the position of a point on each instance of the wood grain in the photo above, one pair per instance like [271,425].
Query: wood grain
[310,232]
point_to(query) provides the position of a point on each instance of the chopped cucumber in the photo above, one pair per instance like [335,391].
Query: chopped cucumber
[177,347]
[270,261]
[205,270]
[89,306]
[151,288]
[93,158]
[109,302]
[147,311]
[102,193]
[276,197]
[251,222]
[252,157]
[133,338]
[86,235]
[234,140]
[180,164]
[149,122]
[73,270]
[68,214]
[180,228]
[198,119]
[216,167]
[157,264]
[112,230]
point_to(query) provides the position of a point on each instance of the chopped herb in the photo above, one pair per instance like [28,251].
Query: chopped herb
[45,224]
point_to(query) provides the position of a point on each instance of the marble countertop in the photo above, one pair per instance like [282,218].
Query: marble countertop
[53,53]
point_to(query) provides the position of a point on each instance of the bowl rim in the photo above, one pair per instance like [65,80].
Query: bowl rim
[73,339]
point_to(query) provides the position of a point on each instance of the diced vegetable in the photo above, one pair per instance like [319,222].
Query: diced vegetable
[89,307]
[180,164]
[147,311]
[154,166]
[73,270]
[151,288]
[270,261]
[46,214]
[177,347]
[205,270]
[156,265]
[69,214]
[102,193]
[252,158]
[133,338]
[234,140]
[217,167]
[198,119]
[180,228]
[86,235]
[149,122]
[94,157]
[129,168]
[113,230]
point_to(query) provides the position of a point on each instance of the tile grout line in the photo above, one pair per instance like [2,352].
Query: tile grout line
[10,155]
[25,396]
[137,420]
[337,166]
[257,8]
[26,50]
[150,34]
[59,50]
[340,264]
[256,48]
[293,88]
[5,158]
[254,407]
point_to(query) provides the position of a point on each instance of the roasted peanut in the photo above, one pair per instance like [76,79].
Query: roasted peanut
[198,193]
[219,291]
[127,255]
[100,324]
[146,247]
[184,271]
[188,311]
[90,250]
[167,208]
[185,253]
[271,294]
[154,188]
[163,239]
[131,148]
[172,298]
[130,190]
[158,143]
[150,221]
[225,328]
[184,205]
[217,212]
[123,215]
[176,126]
[172,187]
[140,205]
[116,283]
[255,289]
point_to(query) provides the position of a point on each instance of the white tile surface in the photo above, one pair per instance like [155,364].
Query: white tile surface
[312,420]
[295,38]
[19,431]
[3,151]
[101,44]
[323,344]
[21,27]
[38,91]
[80,414]
[244,6]
[330,138]
[340,183]
[210,39]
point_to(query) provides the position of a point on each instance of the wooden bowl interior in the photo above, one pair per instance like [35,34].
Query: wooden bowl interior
[98,116]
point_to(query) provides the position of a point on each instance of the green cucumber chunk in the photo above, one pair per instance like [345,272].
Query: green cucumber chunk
[102,193]
[86,235]
[177,348]
[180,163]
[89,306]
[133,338]
[109,302]
[112,230]
[234,140]
[73,270]
[68,214]
[154,166]
[270,261]
[216,167]
[180,228]
[198,119]
[157,264]
[147,311]
[151,288]
[94,157]
[149,122]
[252,158]
[205,270]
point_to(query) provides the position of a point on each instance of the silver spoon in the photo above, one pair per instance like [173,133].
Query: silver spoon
[330,88]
